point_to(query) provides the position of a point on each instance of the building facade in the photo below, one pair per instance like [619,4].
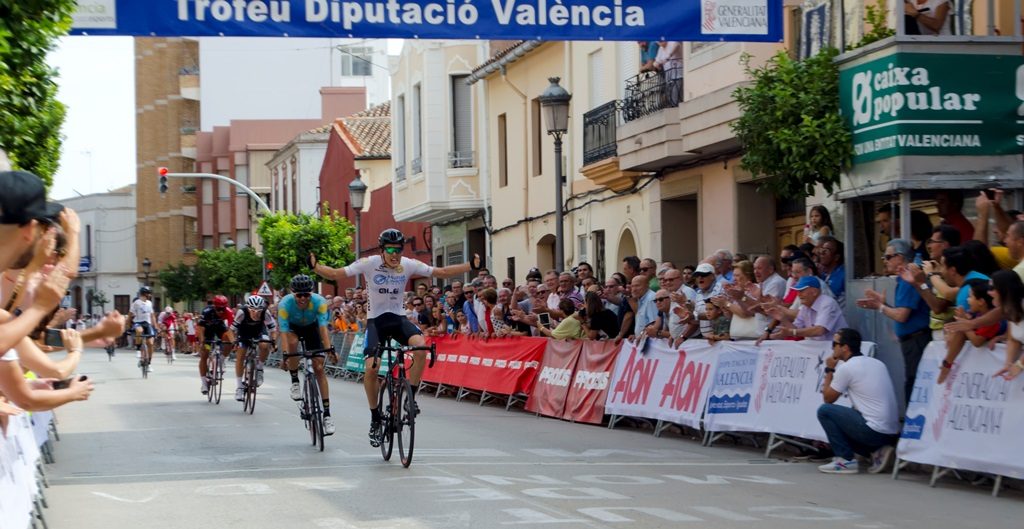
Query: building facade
[359,146]
[439,151]
[106,280]
[167,119]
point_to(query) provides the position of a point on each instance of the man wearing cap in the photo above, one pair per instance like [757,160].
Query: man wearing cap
[819,316]
[25,220]
[707,287]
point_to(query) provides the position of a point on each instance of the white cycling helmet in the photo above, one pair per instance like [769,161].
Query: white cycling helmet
[255,302]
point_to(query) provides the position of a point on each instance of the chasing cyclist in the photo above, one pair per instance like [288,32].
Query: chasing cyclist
[252,323]
[213,324]
[144,324]
[386,276]
[302,315]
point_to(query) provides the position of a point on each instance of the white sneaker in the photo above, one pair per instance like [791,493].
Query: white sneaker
[240,394]
[259,377]
[328,426]
[296,391]
[840,466]
[880,459]
[205,387]
[138,354]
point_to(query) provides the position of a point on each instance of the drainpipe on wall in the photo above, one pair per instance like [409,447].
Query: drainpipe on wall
[483,166]
[526,141]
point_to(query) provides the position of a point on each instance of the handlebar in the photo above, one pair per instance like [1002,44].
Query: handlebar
[432,348]
[312,353]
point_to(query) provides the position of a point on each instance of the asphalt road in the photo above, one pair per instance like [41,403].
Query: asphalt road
[153,453]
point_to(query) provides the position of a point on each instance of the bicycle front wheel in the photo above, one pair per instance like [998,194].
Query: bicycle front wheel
[218,378]
[249,405]
[316,412]
[384,403]
[405,422]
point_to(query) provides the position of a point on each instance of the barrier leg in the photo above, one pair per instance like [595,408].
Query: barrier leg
[897,465]
[518,398]
[776,440]
[613,421]
[938,472]
[484,397]
[665,425]
[996,486]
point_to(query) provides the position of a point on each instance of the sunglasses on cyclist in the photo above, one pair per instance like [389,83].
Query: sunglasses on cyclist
[303,295]
[392,249]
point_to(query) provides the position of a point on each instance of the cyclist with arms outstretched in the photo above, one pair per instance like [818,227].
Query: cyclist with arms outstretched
[303,315]
[252,323]
[386,276]
[213,323]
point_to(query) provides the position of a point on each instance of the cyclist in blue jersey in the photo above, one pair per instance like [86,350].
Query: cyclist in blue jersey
[302,315]
[386,276]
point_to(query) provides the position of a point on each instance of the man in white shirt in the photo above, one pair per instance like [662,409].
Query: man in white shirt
[770,282]
[872,425]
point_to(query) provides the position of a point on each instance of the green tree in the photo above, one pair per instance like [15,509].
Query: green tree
[227,271]
[30,115]
[288,238]
[181,282]
[99,297]
[790,127]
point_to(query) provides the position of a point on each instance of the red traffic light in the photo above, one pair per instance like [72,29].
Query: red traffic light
[270,266]
[163,171]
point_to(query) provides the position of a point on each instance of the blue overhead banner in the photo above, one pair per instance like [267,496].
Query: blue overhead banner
[676,20]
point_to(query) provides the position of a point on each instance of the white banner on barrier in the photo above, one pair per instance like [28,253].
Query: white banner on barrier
[662,383]
[18,455]
[774,387]
[973,421]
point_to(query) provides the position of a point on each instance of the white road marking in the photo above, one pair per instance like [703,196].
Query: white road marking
[147,499]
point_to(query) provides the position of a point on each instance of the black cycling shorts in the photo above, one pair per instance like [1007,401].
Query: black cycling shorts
[248,334]
[308,335]
[386,327]
[147,329]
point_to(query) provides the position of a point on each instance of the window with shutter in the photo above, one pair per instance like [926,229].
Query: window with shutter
[462,123]
[595,65]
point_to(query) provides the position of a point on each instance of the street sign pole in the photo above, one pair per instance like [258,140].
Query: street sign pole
[252,194]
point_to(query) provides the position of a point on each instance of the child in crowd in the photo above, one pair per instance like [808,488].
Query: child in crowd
[460,318]
[719,323]
[980,301]
[819,224]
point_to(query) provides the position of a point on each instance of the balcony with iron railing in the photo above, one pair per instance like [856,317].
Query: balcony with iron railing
[461,159]
[399,173]
[600,147]
[417,165]
[651,92]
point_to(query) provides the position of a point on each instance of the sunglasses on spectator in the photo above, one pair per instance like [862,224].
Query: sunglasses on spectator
[645,268]
[506,283]
[392,249]
[934,241]
[659,300]
[886,257]
[417,304]
[838,344]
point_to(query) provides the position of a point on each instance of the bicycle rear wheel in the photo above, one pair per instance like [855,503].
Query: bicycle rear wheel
[218,378]
[384,403]
[145,368]
[406,422]
[316,412]
[211,379]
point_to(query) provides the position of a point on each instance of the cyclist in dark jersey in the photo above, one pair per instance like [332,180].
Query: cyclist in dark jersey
[386,276]
[213,323]
[254,322]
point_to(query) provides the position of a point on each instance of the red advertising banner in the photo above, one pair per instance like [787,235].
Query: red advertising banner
[589,389]
[556,372]
[498,365]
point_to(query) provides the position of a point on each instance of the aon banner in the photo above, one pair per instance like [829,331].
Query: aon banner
[686,20]
[974,421]
[662,383]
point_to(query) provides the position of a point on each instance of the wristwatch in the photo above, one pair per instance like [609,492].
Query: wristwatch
[925,286]
[830,370]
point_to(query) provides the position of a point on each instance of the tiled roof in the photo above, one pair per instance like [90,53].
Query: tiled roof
[368,133]
[503,56]
[321,129]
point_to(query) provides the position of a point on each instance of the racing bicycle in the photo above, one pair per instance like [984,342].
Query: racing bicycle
[397,404]
[311,406]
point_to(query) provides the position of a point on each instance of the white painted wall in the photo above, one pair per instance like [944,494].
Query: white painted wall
[273,78]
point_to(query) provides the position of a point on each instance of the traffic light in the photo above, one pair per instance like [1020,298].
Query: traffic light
[270,267]
[163,180]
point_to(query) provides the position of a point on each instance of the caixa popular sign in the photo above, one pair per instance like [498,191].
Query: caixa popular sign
[704,20]
[934,105]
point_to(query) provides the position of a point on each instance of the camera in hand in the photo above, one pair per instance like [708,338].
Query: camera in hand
[53,338]
[63,384]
